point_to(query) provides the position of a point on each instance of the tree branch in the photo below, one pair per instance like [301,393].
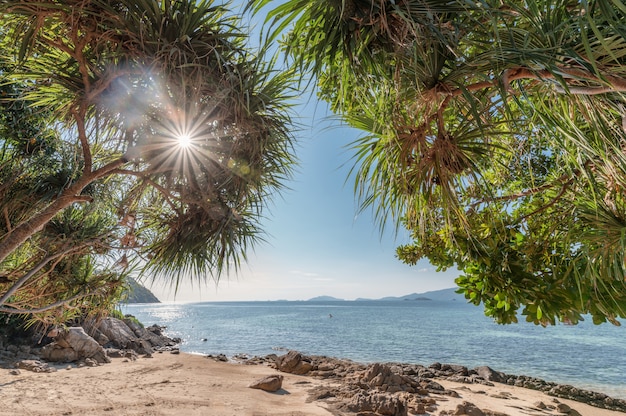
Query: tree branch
[31,273]
[45,308]
[615,84]
[565,178]
[79,116]
[166,194]
[25,230]
[7,220]
[549,204]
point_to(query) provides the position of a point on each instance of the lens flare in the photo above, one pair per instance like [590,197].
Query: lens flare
[184,140]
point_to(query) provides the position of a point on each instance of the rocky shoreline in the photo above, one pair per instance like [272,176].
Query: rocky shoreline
[395,389]
[399,389]
[90,344]
[388,388]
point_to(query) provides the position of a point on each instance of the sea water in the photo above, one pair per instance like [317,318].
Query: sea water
[587,356]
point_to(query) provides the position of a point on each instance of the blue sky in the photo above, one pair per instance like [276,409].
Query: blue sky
[316,244]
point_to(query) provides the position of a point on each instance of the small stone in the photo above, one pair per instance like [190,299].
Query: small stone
[563,408]
[90,362]
[15,372]
[540,405]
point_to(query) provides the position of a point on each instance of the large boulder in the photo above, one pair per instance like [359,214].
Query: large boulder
[129,334]
[490,375]
[121,336]
[382,377]
[74,345]
[293,362]
[153,334]
[116,331]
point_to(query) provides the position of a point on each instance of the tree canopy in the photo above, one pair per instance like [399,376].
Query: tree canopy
[133,132]
[146,132]
[494,131]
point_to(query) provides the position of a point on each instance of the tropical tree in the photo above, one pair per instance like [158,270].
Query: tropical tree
[495,132]
[156,138]
[34,165]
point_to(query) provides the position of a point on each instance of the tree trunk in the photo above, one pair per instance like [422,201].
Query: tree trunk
[24,231]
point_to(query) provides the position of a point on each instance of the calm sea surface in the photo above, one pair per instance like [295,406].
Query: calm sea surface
[420,332]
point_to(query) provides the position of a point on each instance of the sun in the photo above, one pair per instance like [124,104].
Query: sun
[184,140]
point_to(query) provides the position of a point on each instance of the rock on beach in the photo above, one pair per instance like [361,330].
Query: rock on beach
[271,383]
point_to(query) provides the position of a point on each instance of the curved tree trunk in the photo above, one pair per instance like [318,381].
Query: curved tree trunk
[24,231]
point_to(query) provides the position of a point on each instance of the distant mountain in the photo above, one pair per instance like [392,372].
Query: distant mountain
[137,293]
[324,299]
[438,295]
[445,294]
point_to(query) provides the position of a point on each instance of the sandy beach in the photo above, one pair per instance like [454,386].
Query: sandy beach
[184,384]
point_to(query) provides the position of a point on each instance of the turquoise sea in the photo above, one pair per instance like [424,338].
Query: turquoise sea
[420,332]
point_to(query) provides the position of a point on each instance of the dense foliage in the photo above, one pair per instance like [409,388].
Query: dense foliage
[134,134]
[495,133]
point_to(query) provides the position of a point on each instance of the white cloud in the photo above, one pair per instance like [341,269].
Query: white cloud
[301,273]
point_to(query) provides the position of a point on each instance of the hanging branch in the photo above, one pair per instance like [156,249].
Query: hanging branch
[45,308]
[20,282]
[615,84]
[554,200]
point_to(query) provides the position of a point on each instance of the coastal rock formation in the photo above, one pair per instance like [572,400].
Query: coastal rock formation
[381,377]
[89,344]
[377,404]
[372,390]
[13,353]
[129,334]
[399,389]
[118,334]
[490,375]
[271,383]
[73,345]
[293,362]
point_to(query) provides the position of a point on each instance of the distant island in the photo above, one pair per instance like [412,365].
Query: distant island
[137,293]
[435,295]
[324,299]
